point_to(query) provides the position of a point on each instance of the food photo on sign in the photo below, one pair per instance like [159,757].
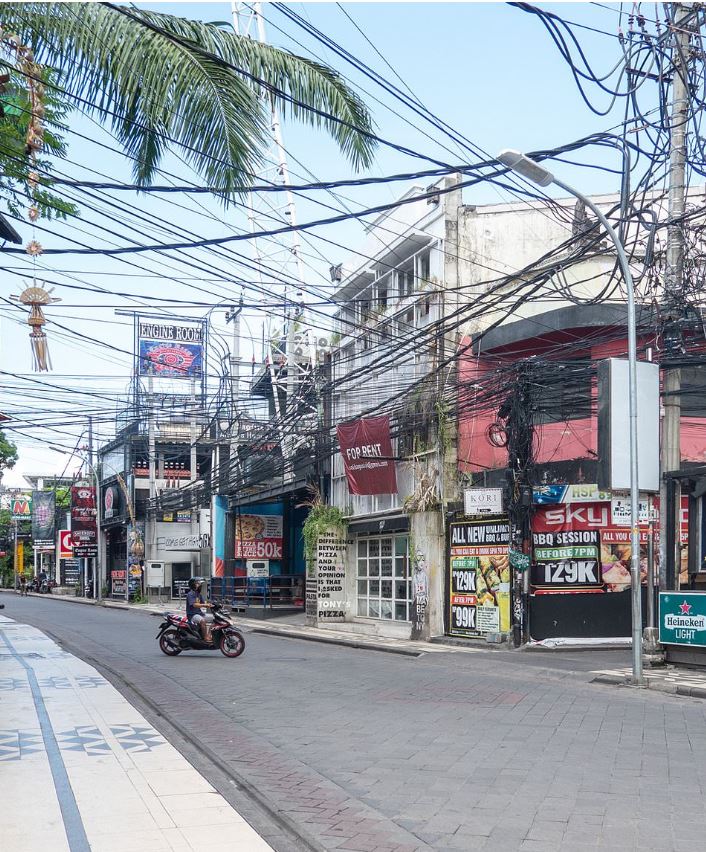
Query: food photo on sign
[258,536]
[581,549]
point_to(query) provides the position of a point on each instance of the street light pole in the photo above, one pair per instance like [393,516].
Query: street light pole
[535,172]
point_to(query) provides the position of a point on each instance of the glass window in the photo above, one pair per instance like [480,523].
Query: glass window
[380,594]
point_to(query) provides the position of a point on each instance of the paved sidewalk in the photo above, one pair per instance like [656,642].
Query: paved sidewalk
[83,770]
[678,681]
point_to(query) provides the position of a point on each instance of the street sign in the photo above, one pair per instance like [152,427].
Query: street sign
[483,501]
[682,618]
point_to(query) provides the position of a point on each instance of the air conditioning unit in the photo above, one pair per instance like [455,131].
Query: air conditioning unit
[299,351]
[323,343]
[433,199]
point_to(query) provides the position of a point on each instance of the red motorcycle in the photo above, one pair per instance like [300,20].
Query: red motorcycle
[177,634]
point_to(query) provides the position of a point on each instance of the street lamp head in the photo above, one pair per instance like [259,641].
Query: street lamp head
[526,167]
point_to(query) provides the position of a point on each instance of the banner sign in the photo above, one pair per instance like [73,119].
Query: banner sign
[258,537]
[549,495]
[187,542]
[479,577]
[581,548]
[170,350]
[83,521]
[566,559]
[332,602]
[682,618]
[366,448]
[66,549]
[43,510]
[21,507]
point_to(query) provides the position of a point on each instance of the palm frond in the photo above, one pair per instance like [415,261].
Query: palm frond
[158,79]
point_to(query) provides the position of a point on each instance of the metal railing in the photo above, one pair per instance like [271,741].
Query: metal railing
[278,590]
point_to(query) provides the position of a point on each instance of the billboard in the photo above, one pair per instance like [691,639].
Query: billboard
[170,350]
[43,510]
[21,507]
[366,448]
[479,577]
[258,537]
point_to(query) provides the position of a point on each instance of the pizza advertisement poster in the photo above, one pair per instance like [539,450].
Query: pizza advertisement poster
[258,536]
[479,577]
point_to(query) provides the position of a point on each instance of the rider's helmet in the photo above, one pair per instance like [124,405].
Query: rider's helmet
[195,584]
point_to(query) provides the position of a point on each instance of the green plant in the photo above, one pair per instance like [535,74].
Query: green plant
[320,519]
[441,407]
[156,77]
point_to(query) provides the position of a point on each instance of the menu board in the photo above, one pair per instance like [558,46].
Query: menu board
[479,577]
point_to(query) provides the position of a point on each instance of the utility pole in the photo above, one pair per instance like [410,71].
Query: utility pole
[152,516]
[234,316]
[670,493]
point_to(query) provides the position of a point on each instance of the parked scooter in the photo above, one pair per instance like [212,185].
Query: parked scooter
[177,634]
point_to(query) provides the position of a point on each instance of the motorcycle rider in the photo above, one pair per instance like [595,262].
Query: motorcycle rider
[194,603]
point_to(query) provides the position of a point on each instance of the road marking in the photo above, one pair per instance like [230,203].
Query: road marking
[73,824]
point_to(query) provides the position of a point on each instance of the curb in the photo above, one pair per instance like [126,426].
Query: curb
[335,640]
[657,685]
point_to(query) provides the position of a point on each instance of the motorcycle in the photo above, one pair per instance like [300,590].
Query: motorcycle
[177,634]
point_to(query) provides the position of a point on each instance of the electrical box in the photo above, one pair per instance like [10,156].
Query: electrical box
[257,567]
[154,575]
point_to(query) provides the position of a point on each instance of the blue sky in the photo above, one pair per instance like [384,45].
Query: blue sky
[488,69]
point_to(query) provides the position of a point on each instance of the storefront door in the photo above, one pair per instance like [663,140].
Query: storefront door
[383,578]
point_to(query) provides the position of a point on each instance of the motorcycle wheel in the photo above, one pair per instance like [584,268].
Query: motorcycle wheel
[166,643]
[232,644]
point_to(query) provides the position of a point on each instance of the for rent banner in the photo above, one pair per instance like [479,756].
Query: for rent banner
[43,529]
[479,577]
[366,448]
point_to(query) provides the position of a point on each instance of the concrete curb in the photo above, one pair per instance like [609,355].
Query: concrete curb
[657,685]
[337,640]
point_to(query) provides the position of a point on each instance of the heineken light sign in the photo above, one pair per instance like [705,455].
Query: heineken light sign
[682,618]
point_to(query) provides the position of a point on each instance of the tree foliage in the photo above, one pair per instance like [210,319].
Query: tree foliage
[8,454]
[16,165]
[159,80]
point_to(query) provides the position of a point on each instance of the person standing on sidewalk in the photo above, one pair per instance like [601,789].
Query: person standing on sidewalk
[23,585]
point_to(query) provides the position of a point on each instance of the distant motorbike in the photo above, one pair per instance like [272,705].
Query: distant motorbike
[177,634]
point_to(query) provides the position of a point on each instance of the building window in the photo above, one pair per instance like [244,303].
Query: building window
[405,282]
[384,588]
[424,266]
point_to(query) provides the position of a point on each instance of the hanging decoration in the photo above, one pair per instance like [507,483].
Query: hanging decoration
[35,295]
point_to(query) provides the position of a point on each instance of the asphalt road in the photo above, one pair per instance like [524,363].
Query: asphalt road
[327,747]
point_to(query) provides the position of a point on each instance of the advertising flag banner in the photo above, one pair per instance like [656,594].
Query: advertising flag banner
[170,350]
[366,448]
[66,550]
[43,529]
[83,521]
[21,507]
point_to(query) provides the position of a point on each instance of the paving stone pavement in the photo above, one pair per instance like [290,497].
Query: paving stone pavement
[371,752]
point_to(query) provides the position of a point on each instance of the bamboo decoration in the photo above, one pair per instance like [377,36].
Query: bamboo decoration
[36,297]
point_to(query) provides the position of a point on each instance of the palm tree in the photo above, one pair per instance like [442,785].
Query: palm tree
[159,80]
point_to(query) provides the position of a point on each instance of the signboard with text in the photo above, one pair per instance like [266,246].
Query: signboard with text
[479,577]
[170,349]
[682,618]
[366,448]
[258,537]
[483,501]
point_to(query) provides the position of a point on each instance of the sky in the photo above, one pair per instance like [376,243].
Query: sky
[489,70]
